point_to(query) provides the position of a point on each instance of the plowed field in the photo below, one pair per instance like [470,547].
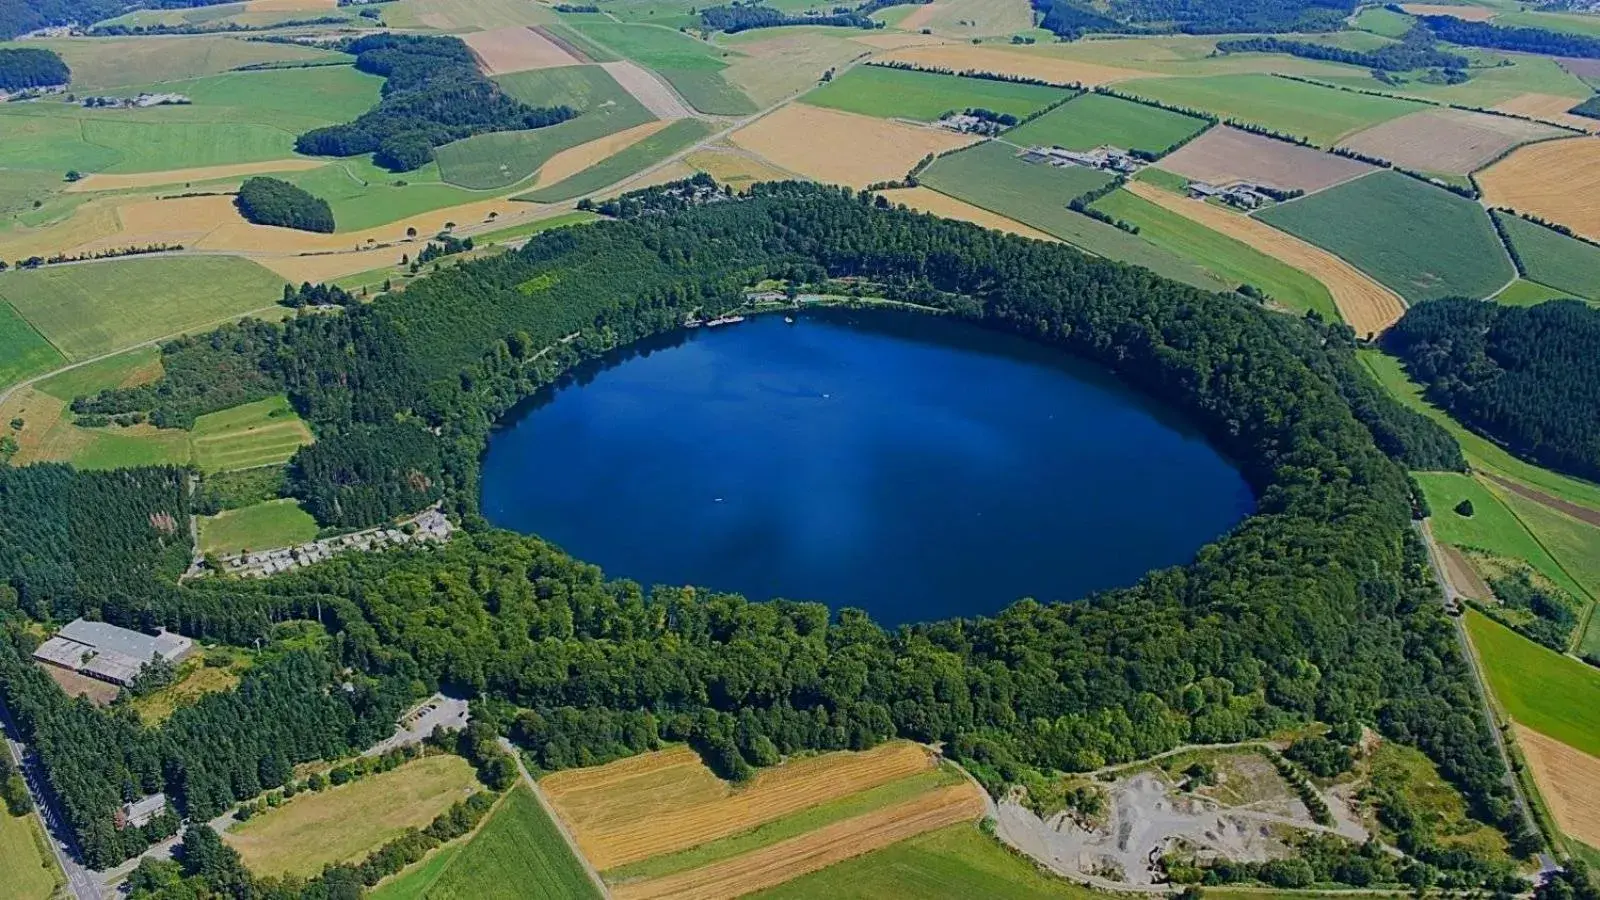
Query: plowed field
[1567,778]
[815,850]
[1555,180]
[1225,155]
[842,148]
[1450,141]
[1365,305]
[518,49]
[662,802]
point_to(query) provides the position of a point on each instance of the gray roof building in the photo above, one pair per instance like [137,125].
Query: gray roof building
[109,653]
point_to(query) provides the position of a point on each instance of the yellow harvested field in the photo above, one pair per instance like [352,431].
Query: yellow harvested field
[1555,180]
[970,18]
[516,49]
[919,17]
[736,167]
[573,160]
[48,435]
[182,220]
[651,92]
[1567,778]
[102,182]
[843,148]
[315,267]
[92,219]
[667,801]
[345,823]
[929,200]
[789,859]
[1366,305]
[1549,108]
[289,5]
[964,57]
[1446,140]
[1467,13]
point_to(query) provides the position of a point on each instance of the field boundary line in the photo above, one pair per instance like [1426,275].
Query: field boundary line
[1578,632]
[561,825]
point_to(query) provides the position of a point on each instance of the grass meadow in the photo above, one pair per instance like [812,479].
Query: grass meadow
[23,350]
[1409,773]
[693,67]
[1420,241]
[582,87]
[104,64]
[990,176]
[135,367]
[415,882]
[94,308]
[1492,527]
[517,855]
[1321,115]
[264,526]
[1095,119]
[1523,292]
[952,863]
[30,870]
[1553,259]
[252,434]
[901,93]
[362,195]
[1230,260]
[1553,694]
[345,823]
[626,162]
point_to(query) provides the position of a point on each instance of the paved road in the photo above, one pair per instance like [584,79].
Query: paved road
[415,726]
[81,882]
[572,843]
[1547,863]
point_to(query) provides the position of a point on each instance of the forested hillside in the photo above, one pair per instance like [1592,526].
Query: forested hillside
[1070,18]
[1526,377]
[31,67]
[1319,607]
[22,16]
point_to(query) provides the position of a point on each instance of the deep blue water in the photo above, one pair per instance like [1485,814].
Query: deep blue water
[917,467]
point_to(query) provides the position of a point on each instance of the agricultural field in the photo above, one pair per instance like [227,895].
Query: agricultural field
[879,150]
[900,93]
[991,177]
[1095,119]
[1523,182]
[953,863]
[516,49]
[345,823]
[453,17]
[1321,115]
[1566,778]
[1421,241]
[1447,141]
[105,64]
[1224,155]
[630,160]
[1523,292]
[776,63]
[129,369]
[1492,527]
[970,18]
[1020,63]
[928,200]
[262,433]
[692,67]
[30,870]
[1552,258]
[264,526]
[1227,258]
[23,351]
[1538,688]
[1362,303]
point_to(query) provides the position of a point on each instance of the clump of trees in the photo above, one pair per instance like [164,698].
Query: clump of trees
[736,17]
[1416,51]
[273,201]
[31,67]
[1504,37]
[433,94]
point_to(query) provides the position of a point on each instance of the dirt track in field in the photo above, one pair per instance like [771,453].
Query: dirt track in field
[1450,141]
[650,91]
[101,182]
[962,57]
[667,801]
[1527,181]
[789,859]
[929,200]
[1462,576]
[1568,779]
[516,49]
[842,148]
[1366,305]
[1224,155]
[1581,513]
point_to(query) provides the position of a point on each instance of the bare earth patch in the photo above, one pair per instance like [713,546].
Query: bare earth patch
[74,685]
[517,49]
[840,147]
[1567,778]
[667,801]
[1527,181]
[1365,305]
[102,182]
[789,859]
[964,57]
[1466,13]
[573,160]
[1461,574]
[1548,108]
[1451,141]
[929,200]
[651,92]
[1224,155]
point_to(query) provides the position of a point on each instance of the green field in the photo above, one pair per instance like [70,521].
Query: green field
[1492,527]
[1552,258]
[94,308]
[123,370]
[414,883]
[363,195]
[1482,454]
[990,176]
[1096,119]
[1322,115]
[517,854]
[1570,23]
[121,448]
[262,433]
[503,158]
[23,351]
[529,229]
[693,67]
[629,161]
[104,64]
[264,526]
[1421,241]
[1554,695]
[1529,293]
[1385,22]
[957,862]
[1230,260]
[30,870]
[900,93]
[787,827]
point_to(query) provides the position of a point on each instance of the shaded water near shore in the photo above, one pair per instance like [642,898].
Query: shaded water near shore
[917,467]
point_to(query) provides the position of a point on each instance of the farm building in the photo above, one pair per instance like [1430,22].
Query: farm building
[1243,196]
[1111,159]
[109,653]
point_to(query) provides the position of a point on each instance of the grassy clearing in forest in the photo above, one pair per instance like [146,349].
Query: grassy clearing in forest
[901,93]
[1410,773]
[1095,119]
[264,526]
[252,434]
[1552,694]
